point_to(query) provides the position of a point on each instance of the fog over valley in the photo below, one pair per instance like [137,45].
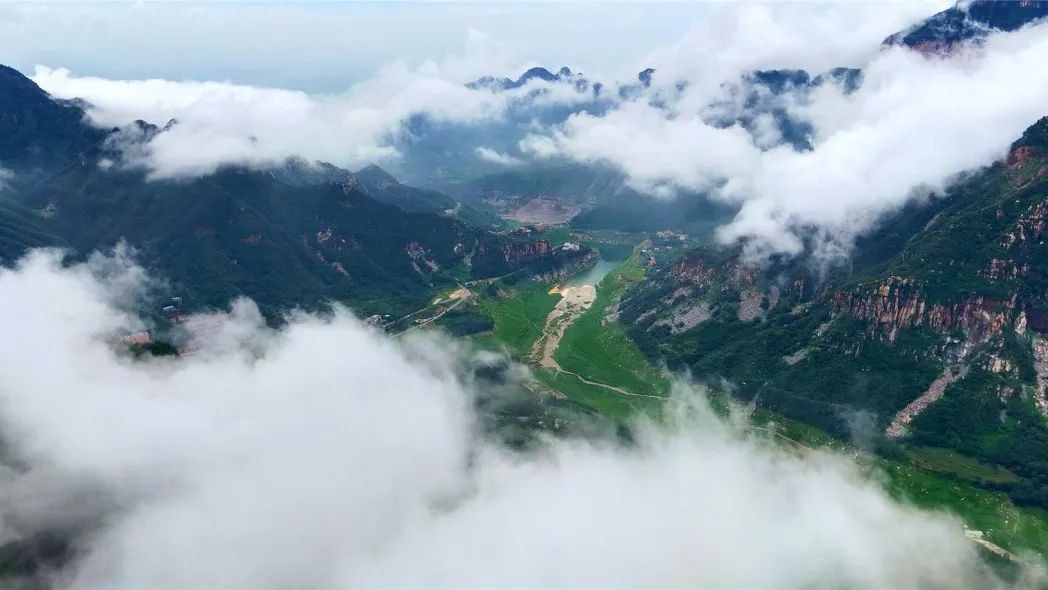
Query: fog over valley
[325,455]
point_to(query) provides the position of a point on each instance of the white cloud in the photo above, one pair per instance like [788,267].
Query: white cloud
[325,455]
[223,123]
[219,122]
[913,126]
[496,157]
[738,38]
[652,149]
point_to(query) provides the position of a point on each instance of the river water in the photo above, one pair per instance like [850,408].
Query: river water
[594,274]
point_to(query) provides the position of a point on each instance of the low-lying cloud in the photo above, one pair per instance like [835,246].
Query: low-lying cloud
[223,123]
[325,455]
[496,157]
[217,123]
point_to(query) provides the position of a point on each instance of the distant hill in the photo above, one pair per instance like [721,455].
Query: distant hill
[382,186]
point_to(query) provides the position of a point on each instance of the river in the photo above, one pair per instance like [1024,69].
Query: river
[594,274]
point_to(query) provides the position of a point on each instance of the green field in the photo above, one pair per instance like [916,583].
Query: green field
[519,315]
[950,462]
[1012,527]
[601,350]
[620,407]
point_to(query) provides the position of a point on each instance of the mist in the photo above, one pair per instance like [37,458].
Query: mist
[323,454]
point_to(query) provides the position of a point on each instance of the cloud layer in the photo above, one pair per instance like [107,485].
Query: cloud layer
[324,455]
[221,123]
[915,123]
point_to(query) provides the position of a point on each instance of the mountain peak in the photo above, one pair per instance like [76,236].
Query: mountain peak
[969,21]
[375,174]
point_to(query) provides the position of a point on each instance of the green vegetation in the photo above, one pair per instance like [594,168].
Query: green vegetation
[1003,523]
[992,419]
[622,408]
[933,479]
[461,322]
[953,463]
[600,350]
[518,314]
[157,348]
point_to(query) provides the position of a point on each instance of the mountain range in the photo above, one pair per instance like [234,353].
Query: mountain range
[294,235]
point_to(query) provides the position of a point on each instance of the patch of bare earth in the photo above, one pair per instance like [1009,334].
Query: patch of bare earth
[935,391]
[573,301]
[800,355]
[684,319]
[749,305]
[542,211]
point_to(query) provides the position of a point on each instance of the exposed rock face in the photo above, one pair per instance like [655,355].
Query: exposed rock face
[897,303]
[574,266]
[1040,365]
[1028,228]
[526,252]
[749,305]
[686,318]
[694,269]
[1021,154]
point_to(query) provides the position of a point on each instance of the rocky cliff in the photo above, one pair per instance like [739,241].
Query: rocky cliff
[897,304]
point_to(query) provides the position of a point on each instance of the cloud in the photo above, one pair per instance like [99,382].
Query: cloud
[740,37]
[654,150]
[910,129]
[325,455]
[914,124]
[219,122]
[496,157]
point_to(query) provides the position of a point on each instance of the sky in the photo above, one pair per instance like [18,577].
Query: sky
[322,47]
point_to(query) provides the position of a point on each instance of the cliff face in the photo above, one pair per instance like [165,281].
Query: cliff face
[571,266]
[521,253]
[897,303]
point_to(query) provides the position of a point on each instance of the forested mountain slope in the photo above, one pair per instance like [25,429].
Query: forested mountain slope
[294,235]
[933,336]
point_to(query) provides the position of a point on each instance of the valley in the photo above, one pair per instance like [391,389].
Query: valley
[777,293]
[593,361]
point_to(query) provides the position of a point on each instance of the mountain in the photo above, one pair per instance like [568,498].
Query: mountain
[537,73]
[969,22]
[936,336]
[383,187]
[35,129]
[294,235]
